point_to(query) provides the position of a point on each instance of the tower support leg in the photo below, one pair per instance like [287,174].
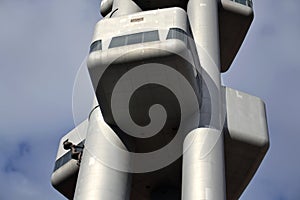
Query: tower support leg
[203,170]
[96,178]
[203,158]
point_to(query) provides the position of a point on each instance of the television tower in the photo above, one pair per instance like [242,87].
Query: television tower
[162,125]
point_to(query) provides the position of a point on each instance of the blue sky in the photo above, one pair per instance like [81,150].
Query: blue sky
[42,45]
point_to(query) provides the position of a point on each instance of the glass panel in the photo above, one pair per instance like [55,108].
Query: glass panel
[135,38]
[244,2]
[117,42]
[62,160]
[151,36]
[95,46]
[177,33]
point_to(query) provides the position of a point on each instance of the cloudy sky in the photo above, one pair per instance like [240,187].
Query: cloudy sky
[42,46]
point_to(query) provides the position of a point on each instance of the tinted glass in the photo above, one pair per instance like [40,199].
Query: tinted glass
[95,46]
[151,36]
[245,2]
[118,41]
[134,38]
[177,33]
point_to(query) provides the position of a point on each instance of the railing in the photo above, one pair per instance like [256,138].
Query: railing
[244,2]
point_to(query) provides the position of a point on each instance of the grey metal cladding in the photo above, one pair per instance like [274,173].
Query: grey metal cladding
[246,139]
[246,118]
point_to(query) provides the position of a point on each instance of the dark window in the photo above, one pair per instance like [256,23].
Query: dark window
[117,42]
[244,2]
[177,33]
[65,158]
[151,36]
[135,38]
[95,46]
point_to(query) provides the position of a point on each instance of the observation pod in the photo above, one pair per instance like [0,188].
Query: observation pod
[234,18]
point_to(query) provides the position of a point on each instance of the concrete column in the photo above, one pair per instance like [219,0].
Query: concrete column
[203,166]
[203,175]
[96,179]
[203,17]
